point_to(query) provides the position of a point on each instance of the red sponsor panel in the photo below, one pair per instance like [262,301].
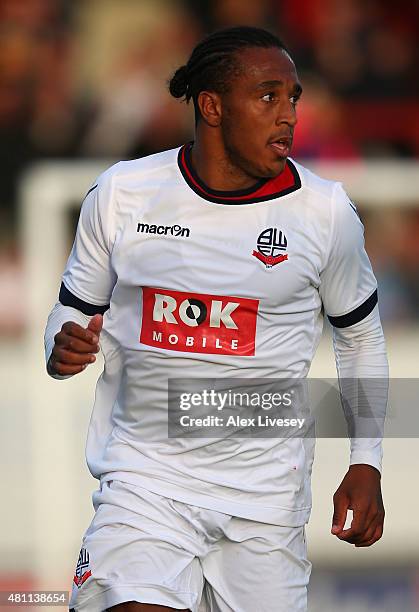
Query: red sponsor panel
[198,323]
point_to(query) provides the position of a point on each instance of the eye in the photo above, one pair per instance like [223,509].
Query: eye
[294,100]
[269,97]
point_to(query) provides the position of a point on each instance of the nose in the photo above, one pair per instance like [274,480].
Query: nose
[287,113]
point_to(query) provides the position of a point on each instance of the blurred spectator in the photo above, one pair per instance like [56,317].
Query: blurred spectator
[217,14]
[366,53]
[35,96]
[131,112]
[322,131]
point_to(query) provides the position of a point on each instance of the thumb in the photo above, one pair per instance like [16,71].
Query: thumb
[95,324]
[341,505]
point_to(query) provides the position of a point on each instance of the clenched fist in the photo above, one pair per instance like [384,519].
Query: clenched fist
[74,347]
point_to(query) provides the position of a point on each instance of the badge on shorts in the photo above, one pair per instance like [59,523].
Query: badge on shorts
[82,568]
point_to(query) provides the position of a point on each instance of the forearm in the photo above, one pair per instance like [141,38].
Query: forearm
[58,316]
[362,366]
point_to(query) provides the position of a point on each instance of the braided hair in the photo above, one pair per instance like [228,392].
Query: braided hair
[213,62]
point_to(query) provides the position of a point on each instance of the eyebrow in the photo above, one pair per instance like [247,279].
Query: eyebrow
[297,88]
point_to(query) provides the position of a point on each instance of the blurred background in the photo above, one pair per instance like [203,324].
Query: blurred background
[83,83]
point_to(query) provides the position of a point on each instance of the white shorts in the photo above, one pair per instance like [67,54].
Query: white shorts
[144,547]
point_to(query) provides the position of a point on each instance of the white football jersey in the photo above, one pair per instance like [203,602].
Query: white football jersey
[198,283]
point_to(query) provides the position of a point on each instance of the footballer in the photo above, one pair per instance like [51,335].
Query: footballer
[218,259]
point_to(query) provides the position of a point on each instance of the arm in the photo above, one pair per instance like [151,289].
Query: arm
[361,363]
[75,323]
[69,350]
[349,293]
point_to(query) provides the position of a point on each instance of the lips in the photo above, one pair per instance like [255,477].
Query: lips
[281,145]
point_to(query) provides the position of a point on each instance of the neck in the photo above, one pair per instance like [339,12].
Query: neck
[213,166]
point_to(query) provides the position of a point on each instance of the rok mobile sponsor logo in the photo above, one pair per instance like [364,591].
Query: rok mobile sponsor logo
[163,230]
[271,243]
[198,323]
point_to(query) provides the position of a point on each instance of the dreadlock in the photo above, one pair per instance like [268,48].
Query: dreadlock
[212,63]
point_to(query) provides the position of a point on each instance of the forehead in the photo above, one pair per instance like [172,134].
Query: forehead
[259,65]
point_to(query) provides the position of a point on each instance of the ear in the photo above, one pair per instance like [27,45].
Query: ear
[210,107]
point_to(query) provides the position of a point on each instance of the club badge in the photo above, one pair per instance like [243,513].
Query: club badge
[271,244]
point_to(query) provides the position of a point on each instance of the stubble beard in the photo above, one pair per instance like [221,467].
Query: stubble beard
[239,164]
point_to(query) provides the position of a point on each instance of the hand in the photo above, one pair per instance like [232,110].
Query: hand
[359,491]
[74,347]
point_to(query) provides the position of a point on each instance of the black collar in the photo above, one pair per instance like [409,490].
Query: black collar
[265,189]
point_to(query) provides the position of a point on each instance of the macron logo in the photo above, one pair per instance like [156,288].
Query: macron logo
[163,230]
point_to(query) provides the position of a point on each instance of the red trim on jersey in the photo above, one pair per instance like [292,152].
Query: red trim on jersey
[270,260]
[265,189]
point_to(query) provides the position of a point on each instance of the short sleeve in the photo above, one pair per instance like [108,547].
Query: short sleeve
[348,287]
[88,279]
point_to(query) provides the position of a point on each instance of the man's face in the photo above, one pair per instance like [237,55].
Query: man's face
[258,112]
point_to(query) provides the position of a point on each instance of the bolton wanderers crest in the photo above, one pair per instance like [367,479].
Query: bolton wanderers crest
[271,244]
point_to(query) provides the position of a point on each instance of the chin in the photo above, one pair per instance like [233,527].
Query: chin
[263,168]
[274,168]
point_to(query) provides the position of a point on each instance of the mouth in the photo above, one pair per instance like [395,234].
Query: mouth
[281,146]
